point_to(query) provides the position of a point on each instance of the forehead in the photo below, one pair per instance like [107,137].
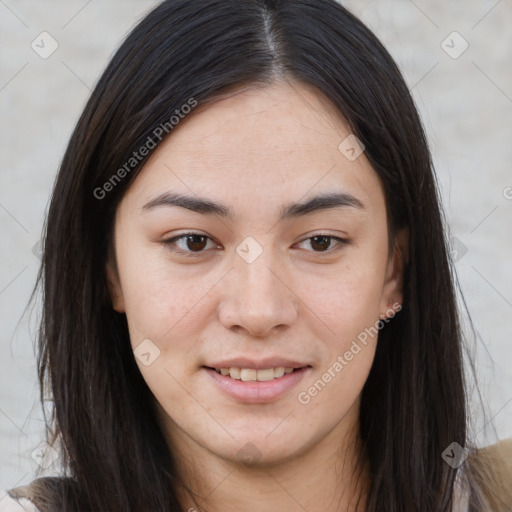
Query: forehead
[268,143]
[260,122]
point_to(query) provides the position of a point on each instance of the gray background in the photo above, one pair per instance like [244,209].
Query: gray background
[465,102]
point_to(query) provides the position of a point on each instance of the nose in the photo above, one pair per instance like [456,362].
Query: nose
[258,297]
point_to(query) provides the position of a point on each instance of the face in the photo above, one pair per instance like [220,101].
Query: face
[254,242]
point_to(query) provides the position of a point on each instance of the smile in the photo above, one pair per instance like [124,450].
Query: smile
[251,374]
[256,386]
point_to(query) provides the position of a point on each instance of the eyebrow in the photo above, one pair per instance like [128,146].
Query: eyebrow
[293,210]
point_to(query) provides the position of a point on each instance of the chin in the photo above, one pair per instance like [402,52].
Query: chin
[263,448]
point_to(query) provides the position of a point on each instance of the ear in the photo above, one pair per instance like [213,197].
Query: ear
[392,291]
[114,287]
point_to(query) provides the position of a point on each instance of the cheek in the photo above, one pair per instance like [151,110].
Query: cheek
[348,349]
[348,300]
[158,296]
[348,305]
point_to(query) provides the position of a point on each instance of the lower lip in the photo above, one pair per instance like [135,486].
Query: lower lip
[255,391]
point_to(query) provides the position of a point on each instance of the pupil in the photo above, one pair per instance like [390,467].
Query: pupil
[192,243]
[323,245]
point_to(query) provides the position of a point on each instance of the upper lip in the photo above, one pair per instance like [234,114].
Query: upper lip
[261,364]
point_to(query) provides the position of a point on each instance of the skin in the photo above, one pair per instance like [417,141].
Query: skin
[256,150]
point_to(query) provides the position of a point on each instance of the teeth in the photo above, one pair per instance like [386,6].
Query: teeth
[279,372]
[250,374]
[234,373]
[264,375]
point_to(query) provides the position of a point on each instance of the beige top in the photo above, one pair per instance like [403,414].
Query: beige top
[8,504]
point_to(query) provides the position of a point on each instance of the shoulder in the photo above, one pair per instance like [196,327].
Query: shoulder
[497,458]
[40,495]
[500,453]
[493,467]
[10,504]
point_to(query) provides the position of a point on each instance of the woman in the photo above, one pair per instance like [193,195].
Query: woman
[248,302]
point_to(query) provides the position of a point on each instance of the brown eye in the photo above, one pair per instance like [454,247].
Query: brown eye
[189,244]
[196,242]
[322,243]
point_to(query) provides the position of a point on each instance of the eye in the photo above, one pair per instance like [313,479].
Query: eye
[189,244]
[193,244]
[322,243]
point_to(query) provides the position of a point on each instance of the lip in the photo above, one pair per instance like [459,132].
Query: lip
[256,391]
[262,364]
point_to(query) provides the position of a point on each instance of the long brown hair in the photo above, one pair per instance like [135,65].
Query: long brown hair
[414,402]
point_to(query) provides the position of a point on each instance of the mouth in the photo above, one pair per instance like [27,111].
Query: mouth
[252,374]
[252,385]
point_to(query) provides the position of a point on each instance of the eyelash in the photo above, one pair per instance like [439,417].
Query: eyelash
[170,243]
